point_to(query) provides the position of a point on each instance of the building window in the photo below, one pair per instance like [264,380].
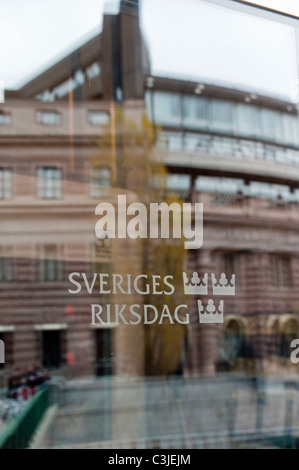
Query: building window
[195,112]
[49,265]
[179,183]
[51,344]
[98,118]
[231,265]
[167,108]
[271,125]
[49,118]
[49,182]
[6,269]
[280,271]
[229,262]
[290,129]
[103,350]
[99,177]
[93,70]
[221,116]
[246,120]
[5,183]
[51,348]
[5,119]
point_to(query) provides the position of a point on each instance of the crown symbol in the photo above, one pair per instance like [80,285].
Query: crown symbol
[211,314]
[223,286]
[195,286]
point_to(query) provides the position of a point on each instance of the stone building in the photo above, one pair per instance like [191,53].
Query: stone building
[64,137]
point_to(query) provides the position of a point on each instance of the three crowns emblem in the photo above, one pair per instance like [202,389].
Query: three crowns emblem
[223,286]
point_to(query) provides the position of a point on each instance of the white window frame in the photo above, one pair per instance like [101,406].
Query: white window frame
[49,187]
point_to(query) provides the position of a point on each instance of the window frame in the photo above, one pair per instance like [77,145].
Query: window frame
[41,112]
[41,180]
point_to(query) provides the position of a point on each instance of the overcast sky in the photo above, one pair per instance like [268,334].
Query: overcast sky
[224,45]
[187,38]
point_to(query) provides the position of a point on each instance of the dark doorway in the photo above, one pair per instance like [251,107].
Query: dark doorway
[51,348]
[103,352]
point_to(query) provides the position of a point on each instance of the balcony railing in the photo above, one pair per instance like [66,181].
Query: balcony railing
[244,203]
[229,147]
[19,432]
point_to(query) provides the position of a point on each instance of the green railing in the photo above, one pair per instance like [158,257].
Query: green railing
[18,433]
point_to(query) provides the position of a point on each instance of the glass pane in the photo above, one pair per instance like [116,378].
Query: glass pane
[167,108]
[221,119]
[195,112]
[149,215]
[246,120]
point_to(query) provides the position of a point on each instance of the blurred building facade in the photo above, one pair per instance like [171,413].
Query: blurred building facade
[233,150]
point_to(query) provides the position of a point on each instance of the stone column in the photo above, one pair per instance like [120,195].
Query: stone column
[203,338]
